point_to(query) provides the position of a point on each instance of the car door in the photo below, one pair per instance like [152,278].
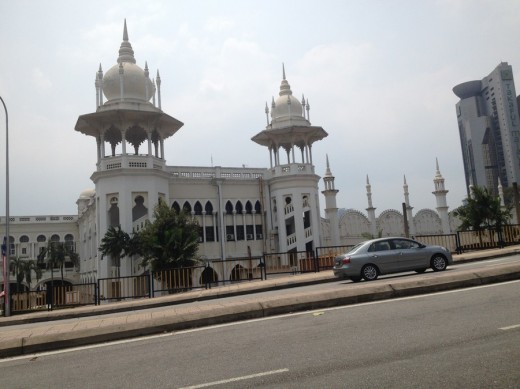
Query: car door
[410,254]
[382,255]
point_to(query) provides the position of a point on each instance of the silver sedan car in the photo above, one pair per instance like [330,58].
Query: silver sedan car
[390,255]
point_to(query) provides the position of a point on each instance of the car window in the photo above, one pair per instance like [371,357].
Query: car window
[379,246]
[404,244]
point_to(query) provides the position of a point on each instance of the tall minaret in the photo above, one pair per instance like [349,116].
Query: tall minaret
[129,130]
[409,214]
[371,211]
[331,208]
[293,184]
[440,195]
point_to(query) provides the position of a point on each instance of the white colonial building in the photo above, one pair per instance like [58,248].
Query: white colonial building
[241,211]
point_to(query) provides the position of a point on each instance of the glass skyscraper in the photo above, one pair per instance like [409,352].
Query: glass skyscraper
[489,129]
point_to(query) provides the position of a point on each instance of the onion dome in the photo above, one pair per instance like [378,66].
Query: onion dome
[127,81]
[87,194]
[286,104]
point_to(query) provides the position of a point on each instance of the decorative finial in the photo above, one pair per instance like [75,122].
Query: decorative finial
[283,71]
[126,53]
[267,113]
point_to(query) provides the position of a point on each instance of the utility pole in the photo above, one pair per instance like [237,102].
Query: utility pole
[7,295]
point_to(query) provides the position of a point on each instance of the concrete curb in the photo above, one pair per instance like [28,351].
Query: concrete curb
[180,318]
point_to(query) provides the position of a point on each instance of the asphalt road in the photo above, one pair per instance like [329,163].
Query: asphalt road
[466,338]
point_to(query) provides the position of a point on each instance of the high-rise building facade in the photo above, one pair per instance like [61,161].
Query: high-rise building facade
[489,129]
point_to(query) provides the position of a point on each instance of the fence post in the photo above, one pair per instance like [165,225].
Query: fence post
[152,289]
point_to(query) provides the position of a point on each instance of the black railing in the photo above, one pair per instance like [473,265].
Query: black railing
[234,270]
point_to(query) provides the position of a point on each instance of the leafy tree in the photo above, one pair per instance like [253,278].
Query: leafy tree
[482,210]
[170,241]
[115,244]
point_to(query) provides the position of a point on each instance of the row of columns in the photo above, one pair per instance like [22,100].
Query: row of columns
[274,155]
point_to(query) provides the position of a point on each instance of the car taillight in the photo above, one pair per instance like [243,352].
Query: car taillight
[345,261]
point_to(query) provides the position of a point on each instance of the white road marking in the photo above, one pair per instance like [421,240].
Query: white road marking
[246,377]
[510,327]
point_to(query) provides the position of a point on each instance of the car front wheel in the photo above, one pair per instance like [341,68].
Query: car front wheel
[439,263]
[369,272]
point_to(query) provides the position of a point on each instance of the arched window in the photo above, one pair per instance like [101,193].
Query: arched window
[186,207]
[258,207]
[24,239]
[208,208]
[41,238]
[176,207]
[69,241]
[198,208]
[229,208]
[249,207]
[239,207]
[55,238]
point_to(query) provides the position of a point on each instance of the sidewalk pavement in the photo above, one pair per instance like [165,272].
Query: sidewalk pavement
[44,331]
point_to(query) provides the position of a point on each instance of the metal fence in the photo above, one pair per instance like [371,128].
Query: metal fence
[55,297]
[325,255]
[175,280]
[121,288]
[293,262]
[450,241]
[222,272]
[233,270]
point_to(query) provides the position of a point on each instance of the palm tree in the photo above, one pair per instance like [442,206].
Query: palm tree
[58,253]
[16,266]
[481,211]
[171,241]
[115,244]
[29,267]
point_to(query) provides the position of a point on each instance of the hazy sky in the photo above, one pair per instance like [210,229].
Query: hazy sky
[378,76]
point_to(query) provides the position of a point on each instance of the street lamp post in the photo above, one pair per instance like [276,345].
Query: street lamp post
[7,296]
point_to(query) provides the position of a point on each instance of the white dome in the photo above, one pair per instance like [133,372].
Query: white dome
[136,86]
[287,105]
[87,193]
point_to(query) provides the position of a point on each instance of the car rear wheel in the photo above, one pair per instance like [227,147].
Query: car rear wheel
[356,279]
[420,270]
[439,263]
[369,272]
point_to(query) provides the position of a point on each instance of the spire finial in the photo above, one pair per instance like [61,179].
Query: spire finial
[404,179]
[126,53]
[285,88]
[125,33]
